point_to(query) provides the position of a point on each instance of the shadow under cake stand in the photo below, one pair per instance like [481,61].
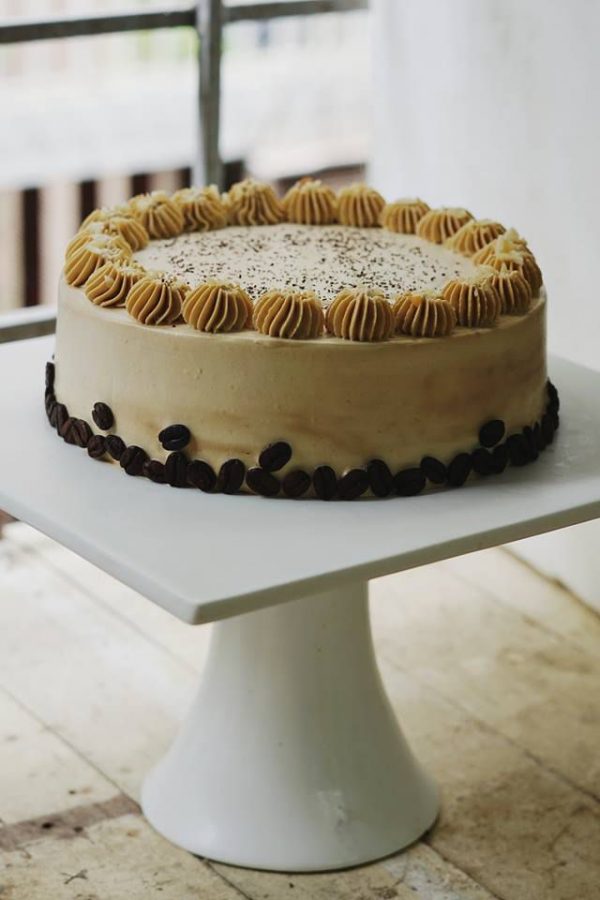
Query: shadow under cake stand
[291,757]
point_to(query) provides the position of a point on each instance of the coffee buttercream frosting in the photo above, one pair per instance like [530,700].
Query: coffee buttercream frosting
[294,315]
[402,216]
[156,299]
[513,290]
[92,254]
[110,284]
[217,307]
[474,300]
[251,202]
[159,214]
[202,208]
[359,206]
[362,314]
[438,225]
[474,235]
[310,202]
[424,315]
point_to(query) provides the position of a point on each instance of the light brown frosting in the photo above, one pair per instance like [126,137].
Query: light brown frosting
[110,284]
[128,228]
[159,214]
[439,224]
[202,208]
[474,300]
[94,233]
[359,206]
[92,254]
[217,307]
[297,315]
[360,314]
[402,216]
[310,202]
[424,315]
[474,235]
[513,289]
[505,256]
[104,213]
[156,299]
[251,202]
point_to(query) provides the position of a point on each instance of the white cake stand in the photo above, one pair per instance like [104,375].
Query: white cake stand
[291,758]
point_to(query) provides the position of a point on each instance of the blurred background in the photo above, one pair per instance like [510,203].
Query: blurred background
[465,102]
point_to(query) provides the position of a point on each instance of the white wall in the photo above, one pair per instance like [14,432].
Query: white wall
[495,106]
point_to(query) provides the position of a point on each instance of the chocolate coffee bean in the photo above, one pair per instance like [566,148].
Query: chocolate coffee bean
[532,450]
[96,446]
[295,483]
[491,433]
[155,471]
[552,392]
[352,484]
[115,446]
[434,470]
[499,459]
[262,482]
[324,482]
[538,437]
[547,428]
[409,482]
[76,431]
[381,480]
[50,375]
[175,437]
[555,419]
[103,416]
[275,456]
[133,459]
[481,460]
[59,416]
[459,469]
[518,452]
[176,469]
[201,475]
[231,476]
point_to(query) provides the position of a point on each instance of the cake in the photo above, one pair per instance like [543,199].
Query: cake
[317,345]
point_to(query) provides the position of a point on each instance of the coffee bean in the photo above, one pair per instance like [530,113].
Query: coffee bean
[381,480]
[352,484]
[547,428]
[96,446]
[324,482]
[231,476]
[50,406]
[201,475]
[76,431]
[295,483]
[59,416]
[176,469]
[554,419]
[434,470]
[275,456]
[262,482]
[532,450]
[518,451]
[49,401]
[155,471]
[538,437]
[50,375]
[481,460]
[491,433]
[133,459]
[115,446]
[103,416]
[409,482]
[459,469]
[499,459]
[175,437]
[551,391]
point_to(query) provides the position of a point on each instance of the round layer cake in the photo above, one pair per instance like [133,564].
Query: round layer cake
[320,345]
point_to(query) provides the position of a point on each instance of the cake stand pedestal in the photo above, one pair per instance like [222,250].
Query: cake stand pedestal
[291,758]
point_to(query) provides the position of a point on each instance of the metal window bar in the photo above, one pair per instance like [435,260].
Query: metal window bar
[208,17]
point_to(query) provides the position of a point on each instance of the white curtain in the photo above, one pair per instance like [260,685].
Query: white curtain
[495,106]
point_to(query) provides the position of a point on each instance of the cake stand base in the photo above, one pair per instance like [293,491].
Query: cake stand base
[292,758]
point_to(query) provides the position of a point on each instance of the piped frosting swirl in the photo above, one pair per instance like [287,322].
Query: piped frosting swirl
[474,300]
[202,208]
[217,307]
[359,206]
[110,284]
[158,213]
[438,225]
[94,234]
[513,289]
[310,202]
[402,216]
[424,315]
[511,250]
[251,202]
[360,314]
[295,315]
[474,235]
[156,299]
[89,256]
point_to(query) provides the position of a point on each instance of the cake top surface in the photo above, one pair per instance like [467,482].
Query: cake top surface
[302,257]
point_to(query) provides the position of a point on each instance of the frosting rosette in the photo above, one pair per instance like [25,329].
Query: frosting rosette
[295,315]
[474,300]
[359,206]
[109,285]
[438,225]
[83,260]
[402,216]
[474,235]
[251,202]
[424,314]
[217,307]
[203,208]
[156,299]
[360,314]
[158,213]
[511,251]
[310,202]
[513,289]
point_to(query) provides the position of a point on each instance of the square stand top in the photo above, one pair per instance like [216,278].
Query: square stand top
[204,557]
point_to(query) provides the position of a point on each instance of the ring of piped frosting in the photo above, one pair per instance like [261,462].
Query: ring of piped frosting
[251,202]
[109,286]
[513,289]
[402,216]
[202,208]
[360,314]
[217,307]
[511,250]
[474,235]
[158,213]
[310,202]
[89,256]
[98,238]
[423,315]
[295,315]
[359,206]
[156,299]
[438,225]
[474,300]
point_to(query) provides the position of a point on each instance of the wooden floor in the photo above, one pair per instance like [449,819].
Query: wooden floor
[494,671]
